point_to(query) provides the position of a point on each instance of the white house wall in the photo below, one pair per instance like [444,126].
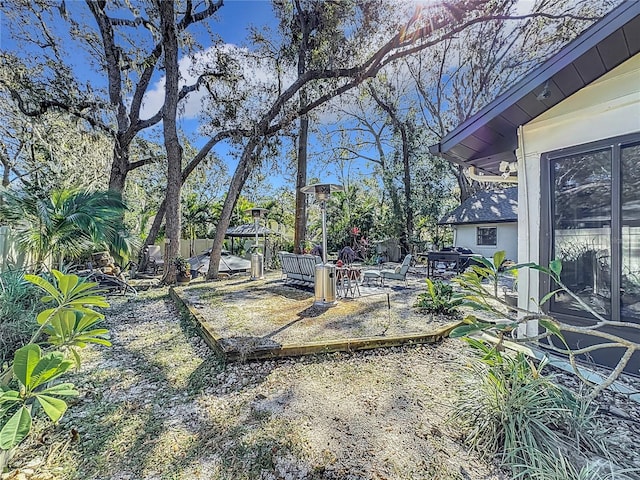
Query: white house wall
[507,233]
[607,108]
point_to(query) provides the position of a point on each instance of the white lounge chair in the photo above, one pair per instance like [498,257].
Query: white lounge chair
[400,273]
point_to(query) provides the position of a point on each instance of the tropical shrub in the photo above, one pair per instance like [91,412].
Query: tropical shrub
[539,429]
[62,225]
[34,374]
[19,305]
[492,307]
[29,384]
[439,299]
[509,409]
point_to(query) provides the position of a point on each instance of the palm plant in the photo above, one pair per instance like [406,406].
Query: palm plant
[196,216]
[63,224]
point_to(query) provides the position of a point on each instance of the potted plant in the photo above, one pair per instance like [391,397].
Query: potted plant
[183,271]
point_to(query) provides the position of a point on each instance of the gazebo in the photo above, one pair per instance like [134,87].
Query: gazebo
[246,231]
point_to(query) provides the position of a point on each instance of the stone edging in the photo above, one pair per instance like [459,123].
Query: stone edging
[308,348]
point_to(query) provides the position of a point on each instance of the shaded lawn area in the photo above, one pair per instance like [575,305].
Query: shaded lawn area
[160,405]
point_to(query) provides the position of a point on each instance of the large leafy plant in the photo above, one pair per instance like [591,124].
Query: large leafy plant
[29,385]
[439,299]
[63,224]
[19,305]
[34,373]
[70,322]
[510,409]
[480,286]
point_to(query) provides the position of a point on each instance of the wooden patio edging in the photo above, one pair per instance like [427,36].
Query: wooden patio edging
[307,348]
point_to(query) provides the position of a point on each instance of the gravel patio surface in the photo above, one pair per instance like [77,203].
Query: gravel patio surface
[269,312]
[160,405]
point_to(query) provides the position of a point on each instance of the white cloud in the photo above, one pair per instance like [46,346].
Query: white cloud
[252,74]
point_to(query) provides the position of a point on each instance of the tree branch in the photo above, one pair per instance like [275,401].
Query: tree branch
[43,106]
[143,162]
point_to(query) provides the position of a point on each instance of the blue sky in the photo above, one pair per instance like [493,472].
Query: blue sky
[232,24]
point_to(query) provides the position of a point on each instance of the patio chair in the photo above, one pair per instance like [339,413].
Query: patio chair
[374,275]
[400,273]
[154,258]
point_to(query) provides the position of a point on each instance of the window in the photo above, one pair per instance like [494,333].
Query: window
[487,236]
[594,201]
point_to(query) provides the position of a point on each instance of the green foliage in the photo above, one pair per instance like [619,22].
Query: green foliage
[64,224]
[183,267]
[483,271]
[507,408]
[19,304]
[473,283]
[33,372]
[72,330]
[439,299]
[345,210]
[70,324]
[27,386]
[473,324]
[196,218]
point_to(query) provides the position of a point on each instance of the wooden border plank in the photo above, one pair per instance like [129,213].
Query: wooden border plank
[305,348]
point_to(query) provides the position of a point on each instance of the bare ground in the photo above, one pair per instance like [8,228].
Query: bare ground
[268,312]
[160,405]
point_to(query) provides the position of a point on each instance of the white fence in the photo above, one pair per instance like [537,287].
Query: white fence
[199,246]
[10,257]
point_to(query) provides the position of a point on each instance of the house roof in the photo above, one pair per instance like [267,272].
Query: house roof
[495,206]
[247,230]
[490,136]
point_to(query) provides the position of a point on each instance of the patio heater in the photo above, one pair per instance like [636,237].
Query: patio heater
[325,278]
[257,259]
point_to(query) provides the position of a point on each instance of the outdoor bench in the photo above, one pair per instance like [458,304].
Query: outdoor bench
[299,268]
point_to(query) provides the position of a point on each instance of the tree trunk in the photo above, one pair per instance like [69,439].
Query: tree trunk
[401,127]
[300,226]
[119,166]
[6,173]
[300,232]
[408,226]
[237,182]
[171,141]
[467,187]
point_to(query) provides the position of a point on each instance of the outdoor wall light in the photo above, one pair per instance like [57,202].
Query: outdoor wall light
[545,93]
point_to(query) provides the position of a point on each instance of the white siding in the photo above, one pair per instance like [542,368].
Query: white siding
[607,108]
[465,236]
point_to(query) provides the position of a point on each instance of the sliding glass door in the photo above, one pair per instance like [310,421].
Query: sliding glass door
[594,195]
[630,237]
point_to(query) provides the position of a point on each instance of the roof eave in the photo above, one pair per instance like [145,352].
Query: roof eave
[593,36]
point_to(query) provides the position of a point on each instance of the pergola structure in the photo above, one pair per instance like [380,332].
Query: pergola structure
[246,231]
